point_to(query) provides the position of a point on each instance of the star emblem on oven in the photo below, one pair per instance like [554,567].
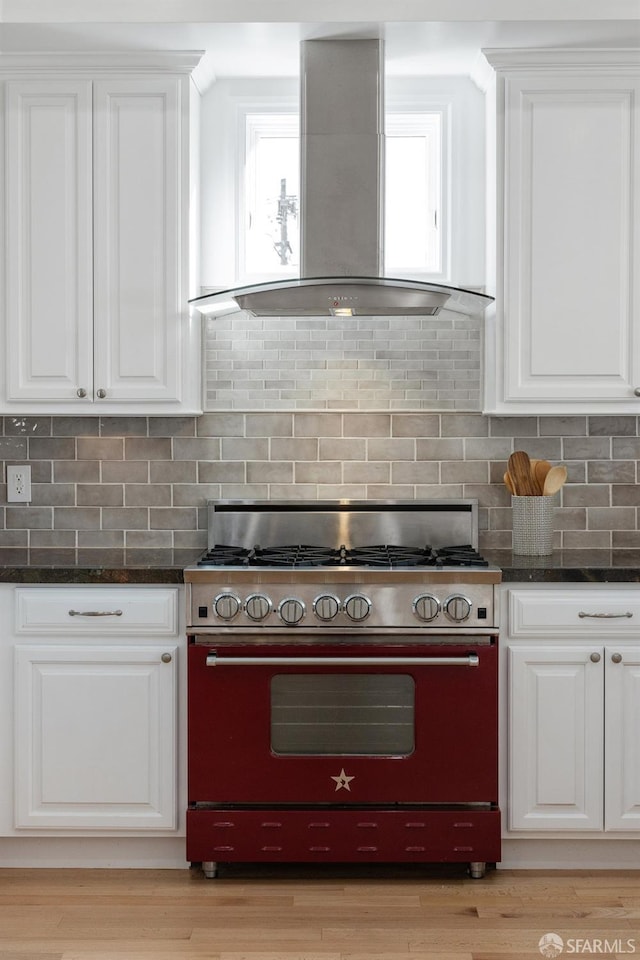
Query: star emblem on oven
[342,781]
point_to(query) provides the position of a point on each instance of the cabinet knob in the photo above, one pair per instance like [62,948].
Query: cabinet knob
[166,658]
[637,391]
[616,658]
[595,658]
[81,392]
[101,393]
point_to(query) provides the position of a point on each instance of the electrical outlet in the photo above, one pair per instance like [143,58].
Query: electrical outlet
[18,484]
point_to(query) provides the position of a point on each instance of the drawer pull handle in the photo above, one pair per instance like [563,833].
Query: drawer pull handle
[95,613]
[605,616]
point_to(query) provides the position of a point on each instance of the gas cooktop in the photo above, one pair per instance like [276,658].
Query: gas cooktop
[375,555]
[342,565]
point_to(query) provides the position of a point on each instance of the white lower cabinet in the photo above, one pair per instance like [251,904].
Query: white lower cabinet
[622,724]
[97,710]
[573,711]
[96,736]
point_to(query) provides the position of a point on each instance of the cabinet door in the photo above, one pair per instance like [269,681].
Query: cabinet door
[49,265]
[556,734]
[95,745]
[622,743]
[569,305]
[139,244]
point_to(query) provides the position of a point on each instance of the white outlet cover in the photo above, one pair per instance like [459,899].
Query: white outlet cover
[18,484]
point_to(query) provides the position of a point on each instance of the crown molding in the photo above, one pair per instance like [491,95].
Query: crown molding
[482,73]
[563,58]
[139,62]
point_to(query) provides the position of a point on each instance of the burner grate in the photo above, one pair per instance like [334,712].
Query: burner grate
[460,556]
[295,555]
[388,556]
[221,555]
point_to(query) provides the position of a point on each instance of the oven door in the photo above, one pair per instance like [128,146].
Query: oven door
[368,724]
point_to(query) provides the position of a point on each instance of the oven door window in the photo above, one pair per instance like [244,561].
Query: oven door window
[343,714]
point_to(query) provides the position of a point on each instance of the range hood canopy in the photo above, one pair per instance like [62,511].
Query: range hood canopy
[342,158]
[343,297]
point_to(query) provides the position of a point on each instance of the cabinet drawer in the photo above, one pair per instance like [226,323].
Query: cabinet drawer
[116,611]
[573,613]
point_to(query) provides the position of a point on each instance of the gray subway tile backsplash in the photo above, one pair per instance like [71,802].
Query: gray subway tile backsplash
[145,495]
[13,448]
[28,517]
[622,426]
[423,362]
[611,471]
[90,448]
[52,448]
[97,485]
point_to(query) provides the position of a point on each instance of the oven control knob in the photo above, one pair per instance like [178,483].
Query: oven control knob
[326,606]
[426,607]
[457,608]
[291,611]
[357,607]
[257,606]
[226,605]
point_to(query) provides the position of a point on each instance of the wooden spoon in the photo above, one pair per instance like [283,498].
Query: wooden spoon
[508,482]
[555,478]
[520,471]
[537,486]
[541,470]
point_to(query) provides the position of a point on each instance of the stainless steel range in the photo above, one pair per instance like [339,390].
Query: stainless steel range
[343,685]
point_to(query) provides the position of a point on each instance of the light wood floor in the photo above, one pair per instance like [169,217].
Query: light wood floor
[290,914]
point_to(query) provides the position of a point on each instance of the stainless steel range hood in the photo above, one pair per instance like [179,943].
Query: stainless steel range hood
[342,159]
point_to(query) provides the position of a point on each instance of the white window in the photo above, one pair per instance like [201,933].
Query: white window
[270,196]
[413,195]
[270,241]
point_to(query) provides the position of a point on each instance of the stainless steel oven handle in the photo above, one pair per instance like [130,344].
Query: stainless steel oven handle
[471,660]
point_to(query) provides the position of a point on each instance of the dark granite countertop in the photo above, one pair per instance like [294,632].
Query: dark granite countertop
[48,565]
[569,566]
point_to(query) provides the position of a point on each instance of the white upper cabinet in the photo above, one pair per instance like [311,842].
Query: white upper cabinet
[137,239]
[49,229]
[97,240]
[567,325]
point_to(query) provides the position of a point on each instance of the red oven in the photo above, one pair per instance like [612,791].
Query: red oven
[339,724]
[335,717]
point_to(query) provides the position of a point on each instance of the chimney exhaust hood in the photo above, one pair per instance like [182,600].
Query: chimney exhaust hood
[342,160]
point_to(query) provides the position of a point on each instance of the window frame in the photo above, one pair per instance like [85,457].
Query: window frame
[413,117]
[409,115]
[274,123]
[466,208]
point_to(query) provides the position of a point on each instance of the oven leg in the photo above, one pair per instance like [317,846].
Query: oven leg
[477,869]
[210,869]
